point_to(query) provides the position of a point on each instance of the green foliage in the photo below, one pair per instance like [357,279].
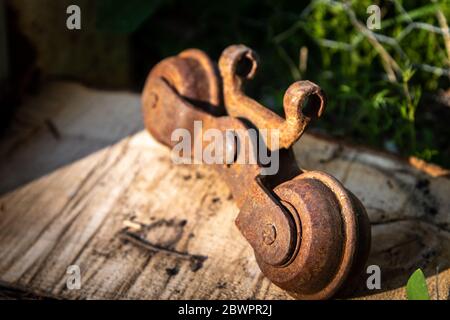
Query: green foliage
[378,89]
[365,101]
[416,288]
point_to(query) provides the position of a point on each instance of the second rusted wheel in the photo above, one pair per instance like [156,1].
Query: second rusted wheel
[333,238]
[190,77]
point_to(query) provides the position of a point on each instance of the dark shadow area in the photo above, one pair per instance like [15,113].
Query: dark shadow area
[61,124]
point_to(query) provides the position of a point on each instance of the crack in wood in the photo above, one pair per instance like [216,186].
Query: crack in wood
[196,260]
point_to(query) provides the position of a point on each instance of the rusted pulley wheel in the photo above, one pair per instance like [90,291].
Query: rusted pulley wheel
[192,74]
[193,77]
[333,238]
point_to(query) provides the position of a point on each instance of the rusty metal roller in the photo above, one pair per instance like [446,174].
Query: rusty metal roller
[310,235]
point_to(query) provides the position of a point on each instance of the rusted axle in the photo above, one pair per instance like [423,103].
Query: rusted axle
[310,235]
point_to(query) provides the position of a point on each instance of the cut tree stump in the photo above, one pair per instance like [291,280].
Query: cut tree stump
[83,185]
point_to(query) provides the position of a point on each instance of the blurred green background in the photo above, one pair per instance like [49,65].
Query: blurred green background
[387,88]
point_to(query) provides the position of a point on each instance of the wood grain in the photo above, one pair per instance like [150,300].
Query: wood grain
[141,227]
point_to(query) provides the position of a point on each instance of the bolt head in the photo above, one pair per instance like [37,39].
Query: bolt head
[269,234]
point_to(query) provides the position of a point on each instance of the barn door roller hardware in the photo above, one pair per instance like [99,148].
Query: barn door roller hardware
[310,235]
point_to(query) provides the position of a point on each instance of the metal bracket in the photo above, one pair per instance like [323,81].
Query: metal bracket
[310,235]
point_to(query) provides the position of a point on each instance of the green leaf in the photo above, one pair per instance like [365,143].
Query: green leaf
[408,74]
[416,288]
[124,17]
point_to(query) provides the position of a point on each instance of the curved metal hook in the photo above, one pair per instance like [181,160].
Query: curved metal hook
[302,101]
